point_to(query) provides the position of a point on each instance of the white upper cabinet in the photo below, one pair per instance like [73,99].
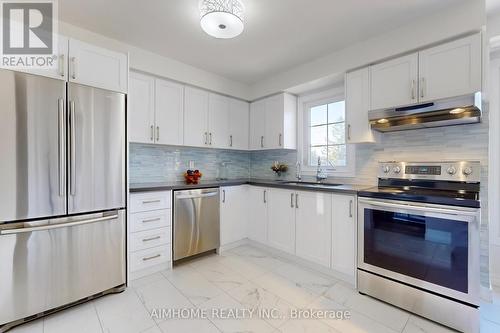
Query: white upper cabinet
[357,103]
[281,220]
[257,124]
[238,124]
[97,67]
[169,111]
[141,111]
[450,69]
[273,123]
[257,213]
[155,110]
[314,226]
[344,235]
[196,117]
[395,82]
[218,121]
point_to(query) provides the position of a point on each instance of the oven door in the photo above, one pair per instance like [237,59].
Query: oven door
[432,247]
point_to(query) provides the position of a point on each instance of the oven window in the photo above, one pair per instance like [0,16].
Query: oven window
[426,248]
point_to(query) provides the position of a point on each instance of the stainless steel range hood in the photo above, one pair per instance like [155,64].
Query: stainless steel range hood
[454,111]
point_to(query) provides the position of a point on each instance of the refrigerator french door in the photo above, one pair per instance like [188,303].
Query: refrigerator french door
[62,194]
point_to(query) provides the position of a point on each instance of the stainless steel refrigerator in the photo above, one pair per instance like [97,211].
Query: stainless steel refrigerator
[62,194]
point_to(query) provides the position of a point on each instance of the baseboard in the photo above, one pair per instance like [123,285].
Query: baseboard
[150,270]
[351,280]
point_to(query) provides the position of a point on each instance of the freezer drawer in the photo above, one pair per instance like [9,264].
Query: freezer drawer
[96,139]
[49,263]
[196,222]
[32,146]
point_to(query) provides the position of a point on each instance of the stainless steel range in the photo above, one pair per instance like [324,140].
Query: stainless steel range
[418,240]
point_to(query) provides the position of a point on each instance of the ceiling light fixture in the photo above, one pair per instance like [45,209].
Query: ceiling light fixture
[222,18]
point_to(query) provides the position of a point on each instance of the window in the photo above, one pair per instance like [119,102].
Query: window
[327,135]
[322,134]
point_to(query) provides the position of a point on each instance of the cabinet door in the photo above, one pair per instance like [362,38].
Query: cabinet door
[344,234]
[257,124]
[281,220]
[357,104]
[97,67]
[60,69]
[450,69]
[141,113]
[218,121]
[169,112]
[233,225]
[257,213]
[313,211]
[238,124]
[195,117]
[273,137]
[394,82]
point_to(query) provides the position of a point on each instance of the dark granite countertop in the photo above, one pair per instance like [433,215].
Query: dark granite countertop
[325,187]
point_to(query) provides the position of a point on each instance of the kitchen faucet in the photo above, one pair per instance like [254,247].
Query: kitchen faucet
[298,171]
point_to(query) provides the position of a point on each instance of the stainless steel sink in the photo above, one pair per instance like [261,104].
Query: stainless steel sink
[312,184]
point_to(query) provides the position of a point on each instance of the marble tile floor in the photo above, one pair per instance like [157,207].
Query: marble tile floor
[242,278]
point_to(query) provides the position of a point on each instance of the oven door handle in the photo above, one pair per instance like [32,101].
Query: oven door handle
[424,208]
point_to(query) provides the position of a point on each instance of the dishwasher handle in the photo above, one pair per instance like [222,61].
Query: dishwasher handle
[196,196]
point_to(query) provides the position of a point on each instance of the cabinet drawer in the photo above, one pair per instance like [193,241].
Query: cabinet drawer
[150,257]
[143,202]
[150,238]
[150,220]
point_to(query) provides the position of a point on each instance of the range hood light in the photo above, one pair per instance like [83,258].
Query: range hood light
[457,111]
[382,121]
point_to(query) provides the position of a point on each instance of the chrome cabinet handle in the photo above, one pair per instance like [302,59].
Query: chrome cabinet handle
[157,133]
[349,132]
[265,199]
[422,87]
[279,139]
[413,89]
[350,208]
[151,220]
[291,200]
[62,150]
[230,141]
[151,239]
[73,66]
[61,65]
[150,258]
[223,196]
[72,160]
[151,201]
[57,226]
[152,133]
[296,200]
[262,141]
[206,138]
[423,208]
[210,139]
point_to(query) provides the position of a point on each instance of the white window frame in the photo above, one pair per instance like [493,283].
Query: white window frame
[305,102]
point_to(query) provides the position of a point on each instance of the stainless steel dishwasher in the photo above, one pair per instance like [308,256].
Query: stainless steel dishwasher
[196,222]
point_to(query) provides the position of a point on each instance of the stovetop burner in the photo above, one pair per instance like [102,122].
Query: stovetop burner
[446,183]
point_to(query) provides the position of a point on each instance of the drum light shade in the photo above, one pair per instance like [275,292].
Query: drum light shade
[222,18]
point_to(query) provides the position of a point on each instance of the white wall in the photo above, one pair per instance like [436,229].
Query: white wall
[149,62]
[460,19]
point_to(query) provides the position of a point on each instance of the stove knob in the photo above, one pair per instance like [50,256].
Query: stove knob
[467,171]
[386,169]
[451,170]
[396,169]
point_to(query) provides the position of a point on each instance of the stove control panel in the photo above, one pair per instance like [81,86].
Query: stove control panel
[463,171]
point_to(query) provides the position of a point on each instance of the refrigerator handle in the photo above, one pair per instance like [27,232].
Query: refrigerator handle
[72,160]
[62,140]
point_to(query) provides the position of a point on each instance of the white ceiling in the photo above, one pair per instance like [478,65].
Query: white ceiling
[279,34]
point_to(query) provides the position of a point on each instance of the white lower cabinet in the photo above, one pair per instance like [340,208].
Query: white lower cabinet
[257,213]
[313,223]
[150,233]
[344,235]
[281,220]
[233,218]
